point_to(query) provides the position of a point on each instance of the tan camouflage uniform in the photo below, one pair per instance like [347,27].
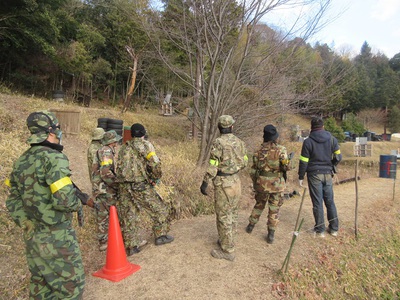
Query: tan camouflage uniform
[228,156]
[104,176]
[138,170]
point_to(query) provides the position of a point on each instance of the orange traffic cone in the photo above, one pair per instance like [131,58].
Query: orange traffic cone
[117,265]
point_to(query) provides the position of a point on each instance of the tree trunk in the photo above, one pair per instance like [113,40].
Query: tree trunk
[128,99]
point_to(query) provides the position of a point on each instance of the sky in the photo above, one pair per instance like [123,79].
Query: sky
[352,22]
[374,21]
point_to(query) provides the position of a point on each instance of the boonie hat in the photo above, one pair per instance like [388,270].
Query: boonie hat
[38,124]
[270,133]
[111,137]
[225,121]
[97,134]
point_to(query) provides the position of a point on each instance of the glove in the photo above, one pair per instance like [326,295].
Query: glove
[203,188]
[301,182]
[28,227]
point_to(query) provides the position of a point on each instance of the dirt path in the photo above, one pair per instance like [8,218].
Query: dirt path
[184,269]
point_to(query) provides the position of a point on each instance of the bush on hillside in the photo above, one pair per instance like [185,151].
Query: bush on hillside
[353,125]
[331,126]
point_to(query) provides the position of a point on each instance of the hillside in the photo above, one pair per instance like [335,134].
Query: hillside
[319,268]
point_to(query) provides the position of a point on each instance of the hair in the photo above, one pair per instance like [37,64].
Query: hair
[225,130]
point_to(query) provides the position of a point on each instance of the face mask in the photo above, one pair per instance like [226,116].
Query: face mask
[58,134]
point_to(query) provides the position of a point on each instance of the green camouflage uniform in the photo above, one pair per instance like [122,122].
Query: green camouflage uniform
[228,156]
[267,174]
[95,145]
[138,169]
[42,200]
[104,177]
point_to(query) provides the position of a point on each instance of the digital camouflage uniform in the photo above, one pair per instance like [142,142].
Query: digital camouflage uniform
[269,162]
[42,201]
[228,156]
[105,178]
[138,170]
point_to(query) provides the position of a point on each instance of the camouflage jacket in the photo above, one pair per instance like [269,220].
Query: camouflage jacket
[107,157]
[228,155]
[41,188]
[138,162]
[269,163]
[92,155]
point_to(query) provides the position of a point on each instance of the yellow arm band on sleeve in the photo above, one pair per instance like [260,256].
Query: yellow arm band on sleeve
[59,184]
[214,162]
[305,159]
[106,162]
[152,153]
[246,158]
[337,152]
[7,182]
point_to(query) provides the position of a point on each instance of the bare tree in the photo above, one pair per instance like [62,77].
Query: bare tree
[228,69]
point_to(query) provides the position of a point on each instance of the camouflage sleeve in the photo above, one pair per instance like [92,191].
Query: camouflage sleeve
[14,203]
[63,193]
[215,156]
[153,163]
[253,169]
[107,169]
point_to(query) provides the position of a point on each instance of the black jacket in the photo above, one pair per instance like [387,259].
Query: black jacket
[320,150]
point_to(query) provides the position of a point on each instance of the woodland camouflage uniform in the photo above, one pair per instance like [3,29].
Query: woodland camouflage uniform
[269,163]
[228,156]
[41,201]
[95,145]
[104,176]
[138,170]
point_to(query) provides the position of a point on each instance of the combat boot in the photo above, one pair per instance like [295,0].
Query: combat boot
[217,253]
[249,228]
[164,239]
[270,236]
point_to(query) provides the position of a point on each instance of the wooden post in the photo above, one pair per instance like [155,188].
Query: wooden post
[356,209]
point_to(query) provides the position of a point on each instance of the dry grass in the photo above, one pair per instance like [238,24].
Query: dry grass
[180,187]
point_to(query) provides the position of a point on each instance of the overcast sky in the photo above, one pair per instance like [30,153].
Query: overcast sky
[350,23]
[374,21]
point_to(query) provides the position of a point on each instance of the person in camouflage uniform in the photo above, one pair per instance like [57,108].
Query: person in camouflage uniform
[228,156]
[105,178]
[95,145]
[269,164]
[41,201]
[138,171]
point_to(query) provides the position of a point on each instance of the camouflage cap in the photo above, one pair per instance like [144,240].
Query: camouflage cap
[97,134]
[225,121]
[38,124]
[111,137]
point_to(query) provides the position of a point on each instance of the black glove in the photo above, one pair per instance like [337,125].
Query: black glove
[203,188]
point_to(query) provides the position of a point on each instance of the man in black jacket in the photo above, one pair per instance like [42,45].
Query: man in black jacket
[319,155]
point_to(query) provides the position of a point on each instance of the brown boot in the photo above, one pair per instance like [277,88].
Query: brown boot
[217,253]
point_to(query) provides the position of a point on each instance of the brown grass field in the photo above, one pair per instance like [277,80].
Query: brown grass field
[362,263]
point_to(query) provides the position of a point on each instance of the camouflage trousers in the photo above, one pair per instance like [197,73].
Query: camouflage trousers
[274,200]
[105,201]
[131,203]
[227,192]
[55,262]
